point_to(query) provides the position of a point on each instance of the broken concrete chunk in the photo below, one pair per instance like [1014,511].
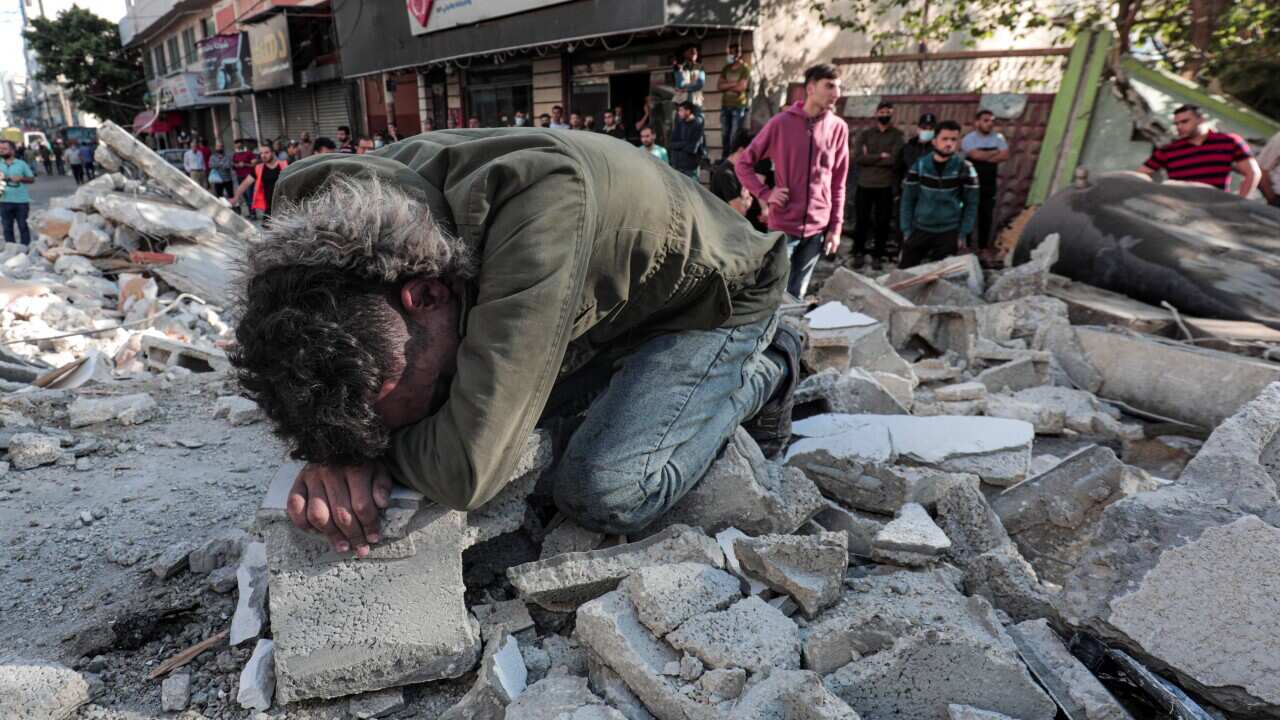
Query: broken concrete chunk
[156,219]
[741,489]
[251,576]
[1008,582]
[509,616]
[258,678]
[1241,457]
[1067,679]
[809,568]
[74,265]
[1029,278]
[856,391]
[968,520]
[382,703]
[666,595]
[961,392]
[877,610]
[501,678]
[934,329]
[162,353]
[1046,420]
[912,539]
[997,450]
[791,694]
[751,634]
[128,409]
[40,690]
[562,583]
[1047,514]
[172,560]
[569,537]
[862,294]
[920,674]
[222,549]
[54,222]
[726,538]
[175,692]
[859,528]
[505,512]
[88,240]
[237,410]
[30,450]
[560,697]
[1176,614]
[1015,375]
[723,683]
[611,629]
[387,644]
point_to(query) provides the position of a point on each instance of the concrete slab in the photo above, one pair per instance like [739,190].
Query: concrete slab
[751,634]
[934,328]
[39,689]
[667,595]
[386,644]
[1066,679]
[995,449]
[862,294]
[791,694]
[859,528]
[922,673]
[501,678]
[1015,375]
[1193,385]
[561,697]
[564,582]
[856,391]
[611,629]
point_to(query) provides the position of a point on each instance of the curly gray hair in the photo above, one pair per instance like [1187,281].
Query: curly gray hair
[362,225]
[318,331]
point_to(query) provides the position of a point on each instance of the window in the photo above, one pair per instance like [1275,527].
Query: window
[188,46]
[175,60]
[158,52]
[206,28]
[148,67]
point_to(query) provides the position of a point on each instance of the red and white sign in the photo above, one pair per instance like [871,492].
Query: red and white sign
[428,16]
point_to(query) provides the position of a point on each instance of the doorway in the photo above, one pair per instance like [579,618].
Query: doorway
[628,91]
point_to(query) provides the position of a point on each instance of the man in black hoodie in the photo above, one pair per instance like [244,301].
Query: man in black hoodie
[688,141]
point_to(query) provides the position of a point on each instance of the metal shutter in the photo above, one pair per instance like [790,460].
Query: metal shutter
[245,115]
[299,112]
[270,122]
[333,103]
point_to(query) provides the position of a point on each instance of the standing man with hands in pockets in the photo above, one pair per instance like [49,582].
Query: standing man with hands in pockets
[809,146]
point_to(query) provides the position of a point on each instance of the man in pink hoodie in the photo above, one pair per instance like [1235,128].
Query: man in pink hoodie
[809,146]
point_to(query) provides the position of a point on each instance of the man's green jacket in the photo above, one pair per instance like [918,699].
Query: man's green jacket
[584,243]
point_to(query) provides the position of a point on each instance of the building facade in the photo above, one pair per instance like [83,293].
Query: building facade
[226,70]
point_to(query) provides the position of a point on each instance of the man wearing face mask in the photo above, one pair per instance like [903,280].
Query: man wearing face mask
[877,153]
[520,119]
[939,200]
[918,145]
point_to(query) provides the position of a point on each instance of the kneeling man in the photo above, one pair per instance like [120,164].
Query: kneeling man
[413,313]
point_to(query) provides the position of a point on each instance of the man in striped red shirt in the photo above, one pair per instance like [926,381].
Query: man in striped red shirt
[1203,155]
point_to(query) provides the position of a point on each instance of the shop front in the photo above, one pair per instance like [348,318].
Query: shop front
[488,59]
[183,110]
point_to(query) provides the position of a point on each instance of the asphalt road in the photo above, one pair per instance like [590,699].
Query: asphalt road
[46,187]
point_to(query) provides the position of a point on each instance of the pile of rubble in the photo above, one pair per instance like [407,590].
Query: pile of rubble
[128,274]
[989,510]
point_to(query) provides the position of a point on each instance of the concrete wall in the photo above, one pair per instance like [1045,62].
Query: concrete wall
[791,38]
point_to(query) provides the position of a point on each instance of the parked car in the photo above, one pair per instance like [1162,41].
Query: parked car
[173,156]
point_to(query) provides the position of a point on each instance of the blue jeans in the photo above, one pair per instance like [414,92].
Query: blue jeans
[11,213]
[670,406]
[804,253]
[731,121]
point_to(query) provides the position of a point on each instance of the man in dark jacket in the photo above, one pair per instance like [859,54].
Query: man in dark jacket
[939,200]
[919,144]
[489,280]
[688,141]
[876,153]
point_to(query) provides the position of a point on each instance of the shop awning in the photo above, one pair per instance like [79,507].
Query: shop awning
[394,46]
[148,122]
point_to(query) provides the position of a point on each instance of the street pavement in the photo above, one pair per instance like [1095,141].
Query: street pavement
[46,187]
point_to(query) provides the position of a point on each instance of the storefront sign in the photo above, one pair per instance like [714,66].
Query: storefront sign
[185,90]
[428,16]
[269,50]
[226,63]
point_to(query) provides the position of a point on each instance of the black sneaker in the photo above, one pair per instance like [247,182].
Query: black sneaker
[875,264]
[771,427]
[858,261]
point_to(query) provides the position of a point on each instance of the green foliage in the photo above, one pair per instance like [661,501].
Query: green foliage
[84,50]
